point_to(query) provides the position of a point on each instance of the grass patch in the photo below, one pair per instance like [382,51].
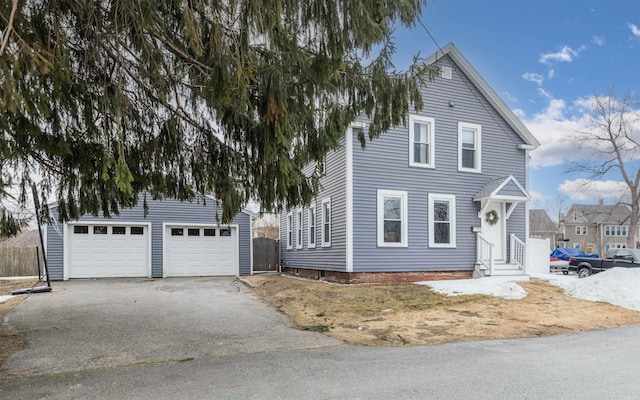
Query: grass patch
[408,314]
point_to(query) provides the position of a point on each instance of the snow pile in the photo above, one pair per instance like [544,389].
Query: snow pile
[487,286]
[619,286]
[5,298]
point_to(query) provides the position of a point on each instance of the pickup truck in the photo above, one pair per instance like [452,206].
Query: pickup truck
[627,258]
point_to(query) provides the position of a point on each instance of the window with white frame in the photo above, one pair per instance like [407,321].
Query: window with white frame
[326,222]
[581,230]
[616,246]
[615,230]
[469,147]
[421,141]
[311,221]
[289,231]
[392,218]
[576,245]
[575,216]
[299,229]
[442,220]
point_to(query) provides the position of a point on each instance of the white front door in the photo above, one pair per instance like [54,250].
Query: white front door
[495,233]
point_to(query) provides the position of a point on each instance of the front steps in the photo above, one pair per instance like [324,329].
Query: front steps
[501,270]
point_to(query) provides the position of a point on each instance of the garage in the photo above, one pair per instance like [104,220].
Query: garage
[200,250]
[102,250]
[157,238]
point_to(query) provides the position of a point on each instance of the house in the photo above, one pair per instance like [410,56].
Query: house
[596,228]
[174,239]
[542,227]
[443,197]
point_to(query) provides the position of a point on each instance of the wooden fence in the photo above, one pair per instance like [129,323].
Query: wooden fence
[266,254]
[20,261]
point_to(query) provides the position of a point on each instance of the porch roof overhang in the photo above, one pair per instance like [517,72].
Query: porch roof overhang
[505,189]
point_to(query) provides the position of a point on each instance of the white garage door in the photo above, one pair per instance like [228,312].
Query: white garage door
[99,250]
[200,251]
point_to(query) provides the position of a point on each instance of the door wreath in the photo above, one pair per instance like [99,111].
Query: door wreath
[492,217]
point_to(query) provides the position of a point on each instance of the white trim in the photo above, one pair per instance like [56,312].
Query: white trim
[431,128]
[451,199]
[312,207]
[65,252]
[324,242]
[299,229]
[478,146]
[67,238]
[165,225]
[250,245]
[289,231]
[404,218]
[349,196]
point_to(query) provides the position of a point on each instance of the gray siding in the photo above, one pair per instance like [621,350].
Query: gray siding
[385,165]
[323,258]
[510,189]
[160,211]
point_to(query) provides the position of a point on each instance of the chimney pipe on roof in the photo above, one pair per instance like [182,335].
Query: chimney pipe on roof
[601,201]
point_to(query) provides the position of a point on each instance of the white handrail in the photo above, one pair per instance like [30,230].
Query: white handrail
[517,253]
[485,253]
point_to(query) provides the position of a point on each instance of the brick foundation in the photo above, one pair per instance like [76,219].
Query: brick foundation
[376,277]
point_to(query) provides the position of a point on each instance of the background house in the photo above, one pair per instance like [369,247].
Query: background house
[174,239]
[596,228]
[429,200]
[542,227]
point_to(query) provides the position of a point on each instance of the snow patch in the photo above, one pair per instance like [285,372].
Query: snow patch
[486,286]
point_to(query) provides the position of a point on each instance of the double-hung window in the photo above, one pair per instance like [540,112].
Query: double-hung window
[289,231]
[581,230]
[442,220]
[392,218]
[299,229]
[469,146]
[615,230]
[326,222]
[421,142]
[311,238]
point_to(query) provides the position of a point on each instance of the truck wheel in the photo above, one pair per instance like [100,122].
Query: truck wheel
[565,272]
[584,272]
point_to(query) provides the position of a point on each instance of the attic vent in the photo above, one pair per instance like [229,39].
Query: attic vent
[446,72]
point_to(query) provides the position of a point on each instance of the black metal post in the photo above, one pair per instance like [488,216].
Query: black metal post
[36,203]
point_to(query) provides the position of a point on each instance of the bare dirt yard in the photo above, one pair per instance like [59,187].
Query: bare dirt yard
[407,314]
[11,342]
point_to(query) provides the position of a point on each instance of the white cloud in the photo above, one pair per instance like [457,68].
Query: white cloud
[551,73]
[598,40]
[536,196]
[553,128]
[589,191]
[556,128]
[545,94]
[519,112]
[510,97]
[533,77]
[634,29]
[566,54]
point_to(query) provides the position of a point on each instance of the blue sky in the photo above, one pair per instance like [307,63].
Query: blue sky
[545,59]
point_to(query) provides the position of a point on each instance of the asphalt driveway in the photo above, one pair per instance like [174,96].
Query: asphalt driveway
[86,324]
